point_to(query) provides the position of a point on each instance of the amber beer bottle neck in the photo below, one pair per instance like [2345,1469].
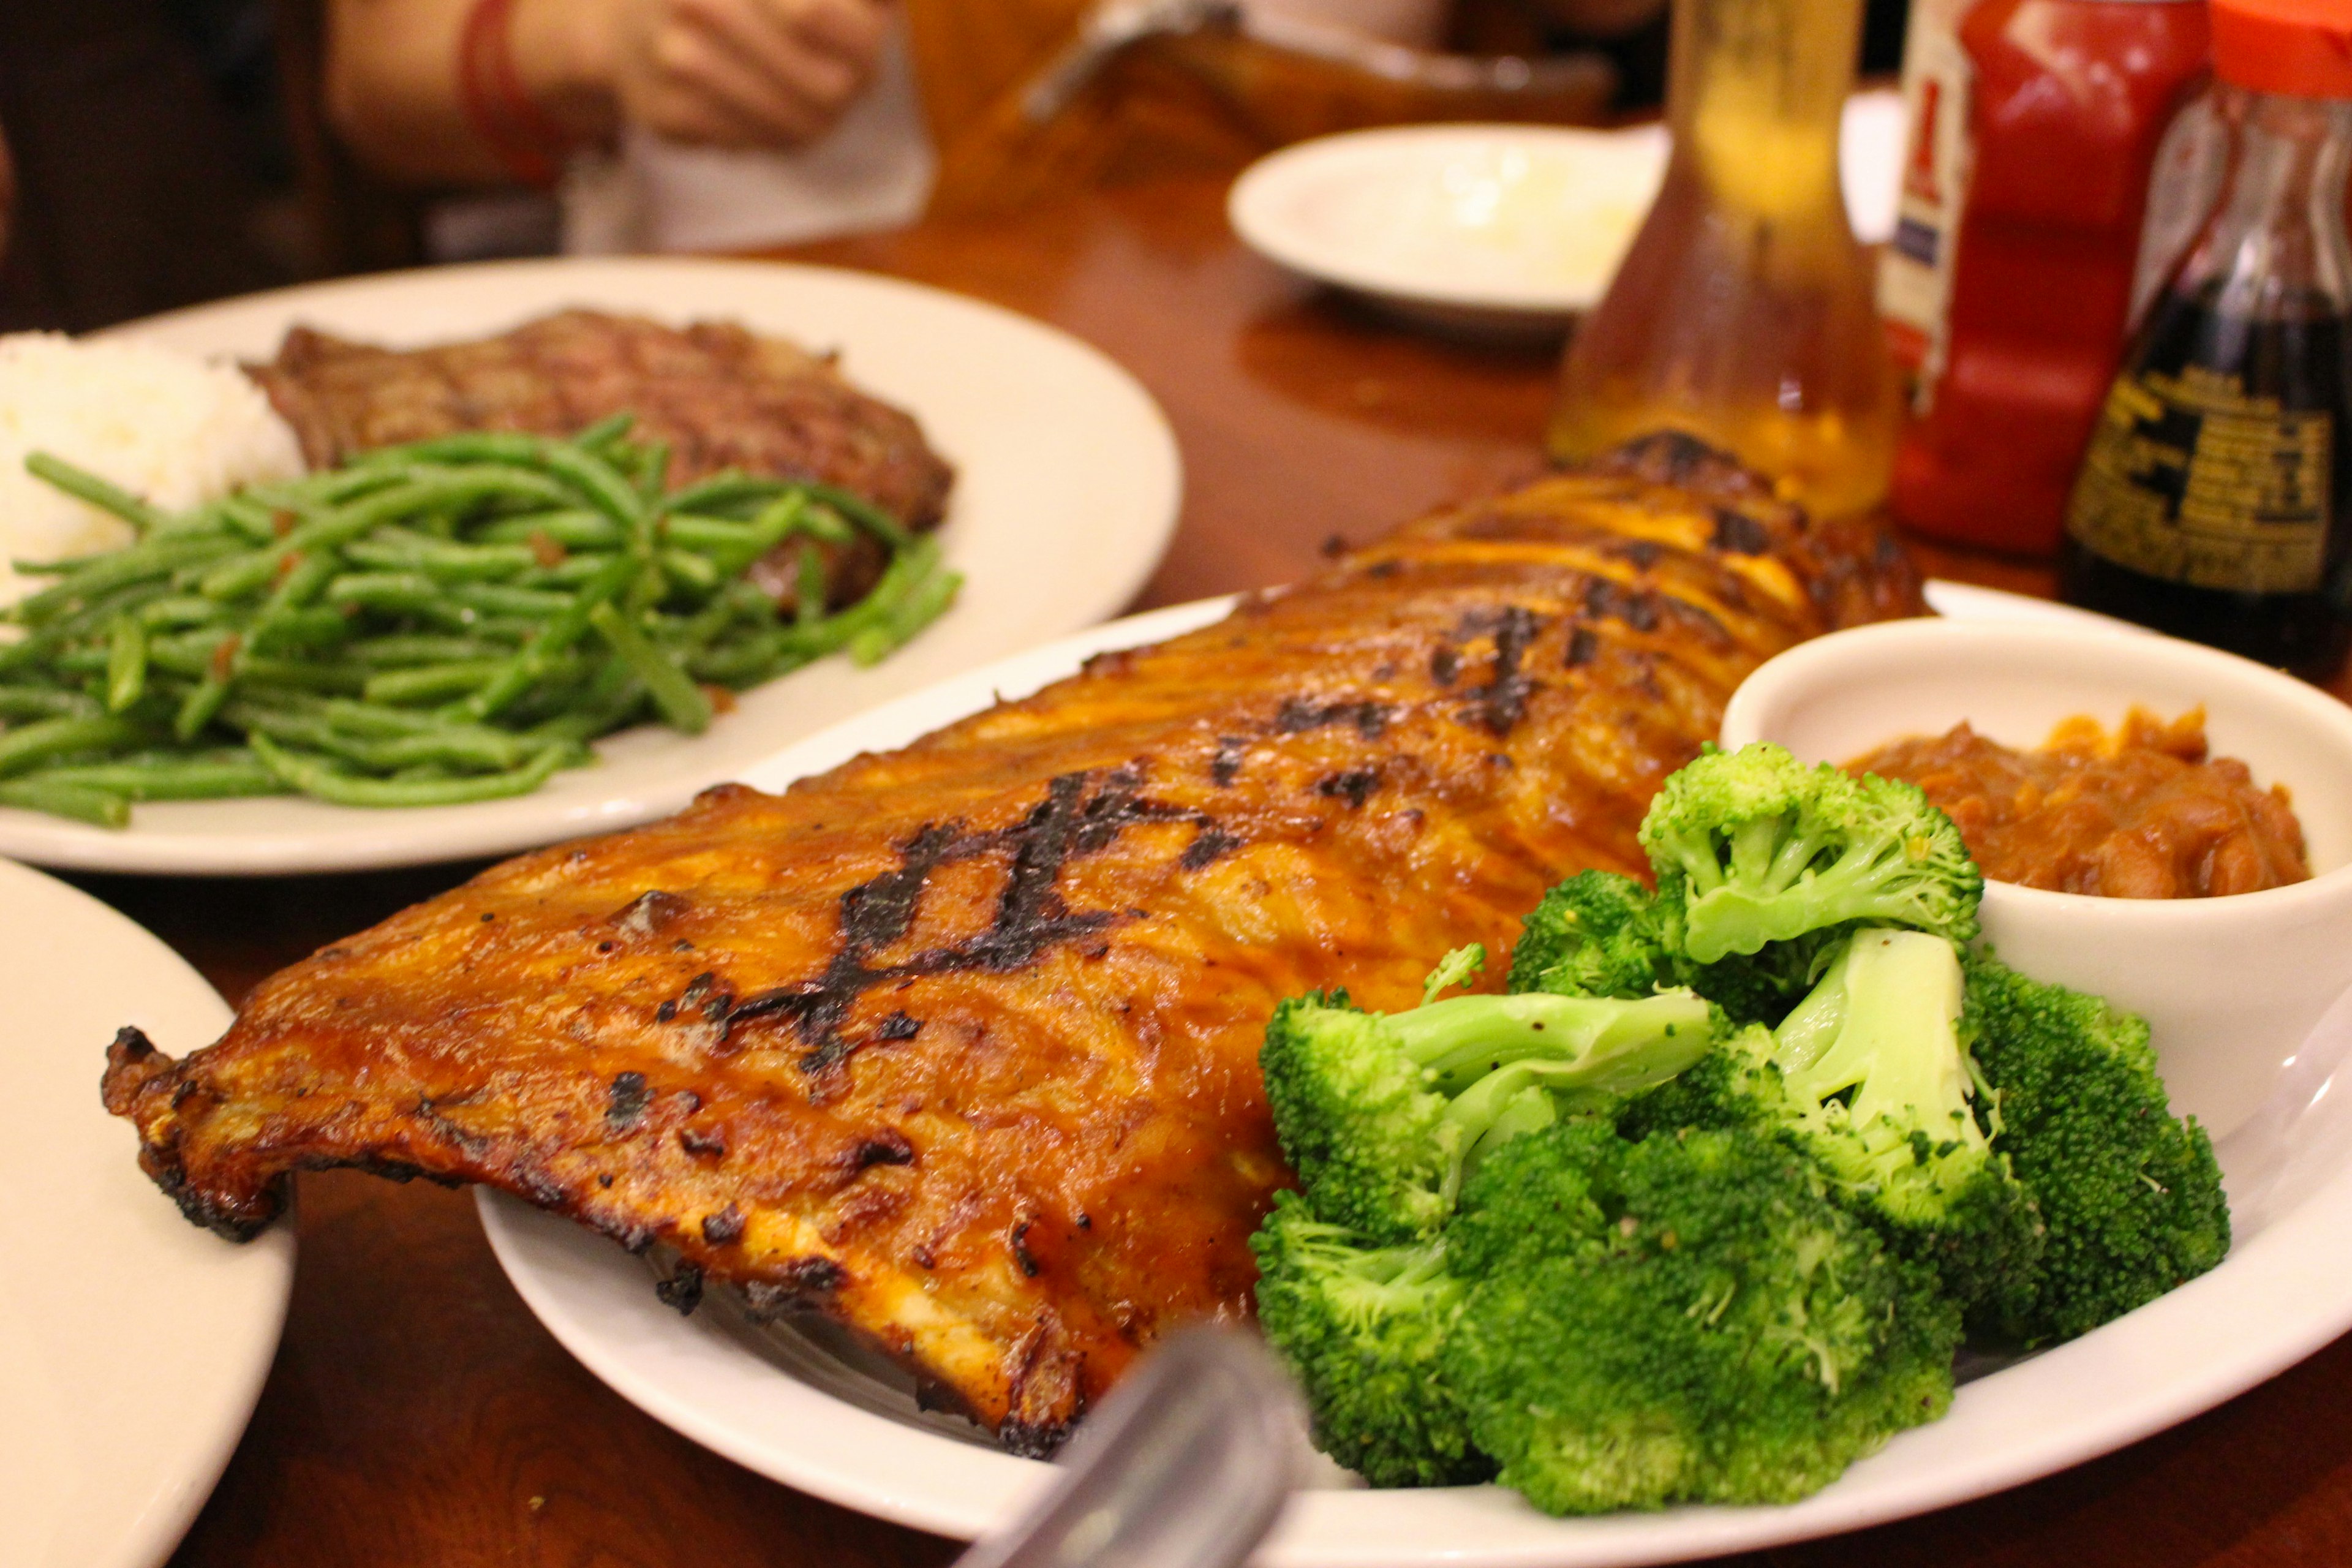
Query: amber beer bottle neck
[1744,314]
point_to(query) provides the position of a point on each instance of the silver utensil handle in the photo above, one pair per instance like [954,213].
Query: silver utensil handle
[1187,1465]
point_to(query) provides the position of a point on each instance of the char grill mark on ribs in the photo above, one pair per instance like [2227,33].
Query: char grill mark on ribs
[989,1096]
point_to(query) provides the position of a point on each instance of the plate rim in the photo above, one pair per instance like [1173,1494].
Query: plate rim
[149,1532]
[1364,1531]
[1250,209]
[374,840]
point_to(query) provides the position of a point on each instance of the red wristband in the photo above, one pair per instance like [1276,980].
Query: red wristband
[490,90]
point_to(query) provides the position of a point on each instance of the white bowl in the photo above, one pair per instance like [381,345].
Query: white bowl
[2230,986]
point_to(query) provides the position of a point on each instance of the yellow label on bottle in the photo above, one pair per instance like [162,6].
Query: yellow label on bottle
[2190,481]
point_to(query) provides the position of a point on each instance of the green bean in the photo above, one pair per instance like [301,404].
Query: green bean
[402,650]
[864,512]
[215,775]
[696,531]
[179,610]
[573,527]
[199,706]
[611,700]
[434,682]
[85,486]
[653,473]
[42,702]
[282,617]
[319,777]
[563,630]
[257,522]
[569,572]
[498,599]
[369,719]
[922,604]
[302,674]
[468,748]
[100,808]
[411,592]
[467,447]
[822,522]
[515,484]
[443,561]
[22,748]
[692,573]
[723,489]
[602,485]
[407,628]
[126,665]
[244,573]
[190,653]
[605,431]
[316,626]
[808,588]
[148,559]
[680,702]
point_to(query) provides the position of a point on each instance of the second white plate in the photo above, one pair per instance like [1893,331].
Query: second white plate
[1487,228]
[811,1420]
[1068,485]
[131,1344]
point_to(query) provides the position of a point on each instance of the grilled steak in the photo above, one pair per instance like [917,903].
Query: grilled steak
[721,396]
[960,1043]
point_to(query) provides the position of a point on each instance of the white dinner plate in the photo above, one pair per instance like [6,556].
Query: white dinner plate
[1509,228]
[1067,483]
[798,1410]
[133,1345]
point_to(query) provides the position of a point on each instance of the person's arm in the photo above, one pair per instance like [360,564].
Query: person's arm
[730,73]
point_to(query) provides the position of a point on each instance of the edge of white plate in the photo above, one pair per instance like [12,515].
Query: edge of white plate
[151,1526]
[370,840]
[610,1321]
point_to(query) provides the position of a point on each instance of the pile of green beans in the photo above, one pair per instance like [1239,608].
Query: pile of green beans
[451,620]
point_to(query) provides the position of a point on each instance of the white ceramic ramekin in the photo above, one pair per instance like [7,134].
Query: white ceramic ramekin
[2230,986]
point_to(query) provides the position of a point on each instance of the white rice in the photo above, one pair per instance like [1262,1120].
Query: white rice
[165,426]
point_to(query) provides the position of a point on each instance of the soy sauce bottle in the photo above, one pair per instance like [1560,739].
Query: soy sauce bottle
[2215,501]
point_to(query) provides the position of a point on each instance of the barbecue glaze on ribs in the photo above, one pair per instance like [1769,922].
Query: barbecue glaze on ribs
[960,1044]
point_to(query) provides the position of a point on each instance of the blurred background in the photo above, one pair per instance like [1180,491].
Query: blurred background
[161,152]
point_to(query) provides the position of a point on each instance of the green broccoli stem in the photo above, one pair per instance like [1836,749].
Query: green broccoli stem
[1884,1021]
[1503,1061]
[1601,1043]
[1783,902]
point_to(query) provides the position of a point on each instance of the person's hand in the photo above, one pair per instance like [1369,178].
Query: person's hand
[742,73]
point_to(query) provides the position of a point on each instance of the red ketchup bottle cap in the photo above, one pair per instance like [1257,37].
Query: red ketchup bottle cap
[2300,47]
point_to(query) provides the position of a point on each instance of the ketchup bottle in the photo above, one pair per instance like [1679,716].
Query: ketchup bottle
[2029,240]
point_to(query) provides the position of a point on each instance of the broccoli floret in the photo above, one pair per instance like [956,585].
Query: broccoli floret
[1689,1318]
[1361,1327]
[1868,1076]
[1601,934]
[1381,1113]
[2130,1193]
[1596,934]
[1753,846]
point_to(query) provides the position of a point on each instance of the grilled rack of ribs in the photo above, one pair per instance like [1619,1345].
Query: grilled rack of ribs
[721,396]
[958,1044]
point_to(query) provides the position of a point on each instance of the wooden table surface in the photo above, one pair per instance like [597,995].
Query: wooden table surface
[418,1415]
